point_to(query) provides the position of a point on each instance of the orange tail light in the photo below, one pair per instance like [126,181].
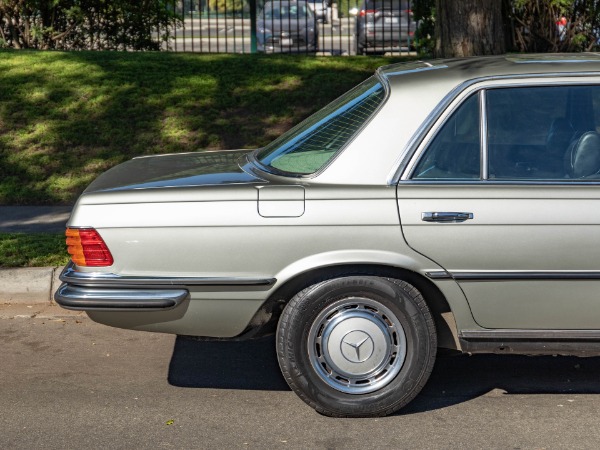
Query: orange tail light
[87,248]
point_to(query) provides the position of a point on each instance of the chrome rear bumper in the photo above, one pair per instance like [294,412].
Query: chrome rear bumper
[94,291]
[99,291]
[99,299]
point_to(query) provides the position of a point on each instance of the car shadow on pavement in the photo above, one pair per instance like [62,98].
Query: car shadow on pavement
[249,365]
[252,365]
[457,379]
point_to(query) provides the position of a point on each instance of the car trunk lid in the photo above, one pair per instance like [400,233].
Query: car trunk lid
[208,168]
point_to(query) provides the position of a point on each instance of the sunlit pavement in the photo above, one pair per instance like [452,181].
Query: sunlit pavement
[70,383]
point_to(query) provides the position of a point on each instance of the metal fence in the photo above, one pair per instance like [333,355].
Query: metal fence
[344,27]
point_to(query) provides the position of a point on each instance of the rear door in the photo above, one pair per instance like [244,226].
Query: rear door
[505,196]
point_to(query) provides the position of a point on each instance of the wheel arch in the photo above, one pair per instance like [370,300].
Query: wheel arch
[265,320]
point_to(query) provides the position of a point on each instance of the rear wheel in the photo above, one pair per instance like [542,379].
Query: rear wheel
[357,346]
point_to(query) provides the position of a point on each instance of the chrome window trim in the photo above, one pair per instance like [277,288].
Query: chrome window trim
[496,183]
[483,137]
[406,155]
[72,276]
[402,168]
[428,67]
[433,131]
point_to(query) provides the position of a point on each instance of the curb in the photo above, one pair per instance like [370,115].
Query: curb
[29,286]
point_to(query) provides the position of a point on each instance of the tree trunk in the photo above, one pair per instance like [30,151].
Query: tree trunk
[469,28]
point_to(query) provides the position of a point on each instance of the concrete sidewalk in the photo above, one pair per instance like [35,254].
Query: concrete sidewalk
[31,285]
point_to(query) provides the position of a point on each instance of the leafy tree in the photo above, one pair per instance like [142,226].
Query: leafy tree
[424,14]
[469,27]
[555,25]
[227,6]
[86,24]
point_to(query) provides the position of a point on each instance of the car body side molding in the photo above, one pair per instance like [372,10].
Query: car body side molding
[71,275]
[513,276]
[531,342]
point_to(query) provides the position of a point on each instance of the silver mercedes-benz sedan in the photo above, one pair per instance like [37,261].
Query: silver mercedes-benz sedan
[450,203]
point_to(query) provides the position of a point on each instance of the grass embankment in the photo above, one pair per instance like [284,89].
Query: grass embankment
[67,117]
[32,250]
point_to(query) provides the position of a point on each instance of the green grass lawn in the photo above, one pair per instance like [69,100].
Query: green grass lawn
[67,117]
[32,250]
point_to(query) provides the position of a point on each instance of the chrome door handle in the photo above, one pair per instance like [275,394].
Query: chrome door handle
[446,217]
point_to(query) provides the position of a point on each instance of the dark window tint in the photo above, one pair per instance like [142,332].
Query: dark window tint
[385,4]
[454,153]
[544,133]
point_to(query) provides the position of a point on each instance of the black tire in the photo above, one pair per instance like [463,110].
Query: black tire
[325,328]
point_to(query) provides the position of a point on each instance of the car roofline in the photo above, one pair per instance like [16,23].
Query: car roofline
[410,148]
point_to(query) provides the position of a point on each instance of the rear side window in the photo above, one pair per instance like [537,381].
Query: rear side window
[538,133]
[310,145]
[455,152]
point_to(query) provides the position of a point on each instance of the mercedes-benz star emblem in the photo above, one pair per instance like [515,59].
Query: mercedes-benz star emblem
[357,346]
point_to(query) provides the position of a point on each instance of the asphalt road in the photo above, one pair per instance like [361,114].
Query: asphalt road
[69,383]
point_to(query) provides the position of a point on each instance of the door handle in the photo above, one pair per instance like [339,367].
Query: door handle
[446,217]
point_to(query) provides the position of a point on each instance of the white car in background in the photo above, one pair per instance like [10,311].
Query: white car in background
[321,9]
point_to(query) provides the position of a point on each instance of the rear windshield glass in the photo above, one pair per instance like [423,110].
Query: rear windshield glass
[310,145]
[385,4]
[286,11]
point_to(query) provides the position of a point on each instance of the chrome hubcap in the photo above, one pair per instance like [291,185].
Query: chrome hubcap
[357,345]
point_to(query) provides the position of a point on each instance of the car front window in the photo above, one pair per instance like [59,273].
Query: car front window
[544,133]
[309,146]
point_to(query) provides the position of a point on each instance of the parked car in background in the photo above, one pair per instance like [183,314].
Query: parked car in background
[448,203]
[321,10]
[383,26]
[287,26]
